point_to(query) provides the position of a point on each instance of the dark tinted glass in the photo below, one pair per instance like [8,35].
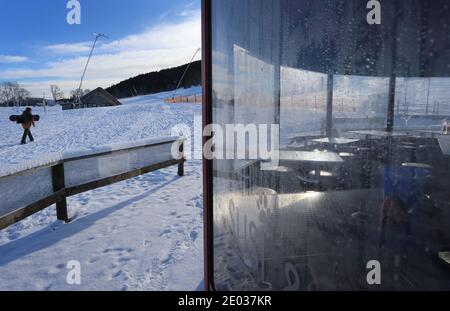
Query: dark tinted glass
[360,198]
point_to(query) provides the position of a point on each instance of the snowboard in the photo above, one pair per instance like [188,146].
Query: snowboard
[18,118]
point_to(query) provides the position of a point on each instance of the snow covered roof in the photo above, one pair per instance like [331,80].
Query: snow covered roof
[102,95]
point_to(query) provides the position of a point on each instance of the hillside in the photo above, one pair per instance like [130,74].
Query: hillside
[156,82]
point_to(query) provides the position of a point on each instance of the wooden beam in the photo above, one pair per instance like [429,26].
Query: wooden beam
[58,181]
[181,164]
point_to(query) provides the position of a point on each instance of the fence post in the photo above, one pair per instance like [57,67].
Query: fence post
[59,184]
[181,164]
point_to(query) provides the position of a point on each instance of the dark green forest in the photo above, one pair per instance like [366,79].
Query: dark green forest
[156,82]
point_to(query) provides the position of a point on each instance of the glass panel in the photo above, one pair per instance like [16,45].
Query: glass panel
[359,103]
[34,186]
[86,170]
[357,197]
[422,103]
[303,102]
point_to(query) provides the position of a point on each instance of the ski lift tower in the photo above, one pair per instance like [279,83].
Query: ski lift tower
[184,73]
[97,37]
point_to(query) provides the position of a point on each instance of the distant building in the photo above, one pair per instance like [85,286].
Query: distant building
[97,98]
[46,103]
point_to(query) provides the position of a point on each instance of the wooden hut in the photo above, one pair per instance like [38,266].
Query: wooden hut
[97,98]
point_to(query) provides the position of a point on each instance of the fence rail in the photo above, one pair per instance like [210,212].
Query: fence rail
[195,98]
[43,186]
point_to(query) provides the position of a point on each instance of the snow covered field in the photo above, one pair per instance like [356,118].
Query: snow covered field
[141,234]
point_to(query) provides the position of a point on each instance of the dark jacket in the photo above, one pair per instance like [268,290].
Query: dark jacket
[28,120]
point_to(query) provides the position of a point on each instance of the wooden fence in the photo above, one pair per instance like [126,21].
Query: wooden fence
[27,192]
[184,99]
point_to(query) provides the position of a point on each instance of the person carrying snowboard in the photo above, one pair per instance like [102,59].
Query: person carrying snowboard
[27,122]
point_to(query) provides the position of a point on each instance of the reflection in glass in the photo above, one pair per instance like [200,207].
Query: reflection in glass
[364,113]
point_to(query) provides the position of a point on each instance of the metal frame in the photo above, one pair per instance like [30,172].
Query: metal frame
[61,192]
[207,164]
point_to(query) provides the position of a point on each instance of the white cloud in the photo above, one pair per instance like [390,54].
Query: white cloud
[38,89]
[9,59]
[162,46]
[69,48]
[162,36]
[188,9]
[109,68]
[187,12]
[165,35]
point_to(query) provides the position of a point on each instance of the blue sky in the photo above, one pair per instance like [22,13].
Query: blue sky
[38,47]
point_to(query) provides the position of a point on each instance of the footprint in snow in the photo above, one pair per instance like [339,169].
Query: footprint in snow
[147,243]
[194,235]
[165,232]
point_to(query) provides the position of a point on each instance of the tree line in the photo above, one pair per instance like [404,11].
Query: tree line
[12,94]
[58,94]
[160,81]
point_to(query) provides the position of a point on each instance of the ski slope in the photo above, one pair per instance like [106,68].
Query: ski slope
[141,234]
